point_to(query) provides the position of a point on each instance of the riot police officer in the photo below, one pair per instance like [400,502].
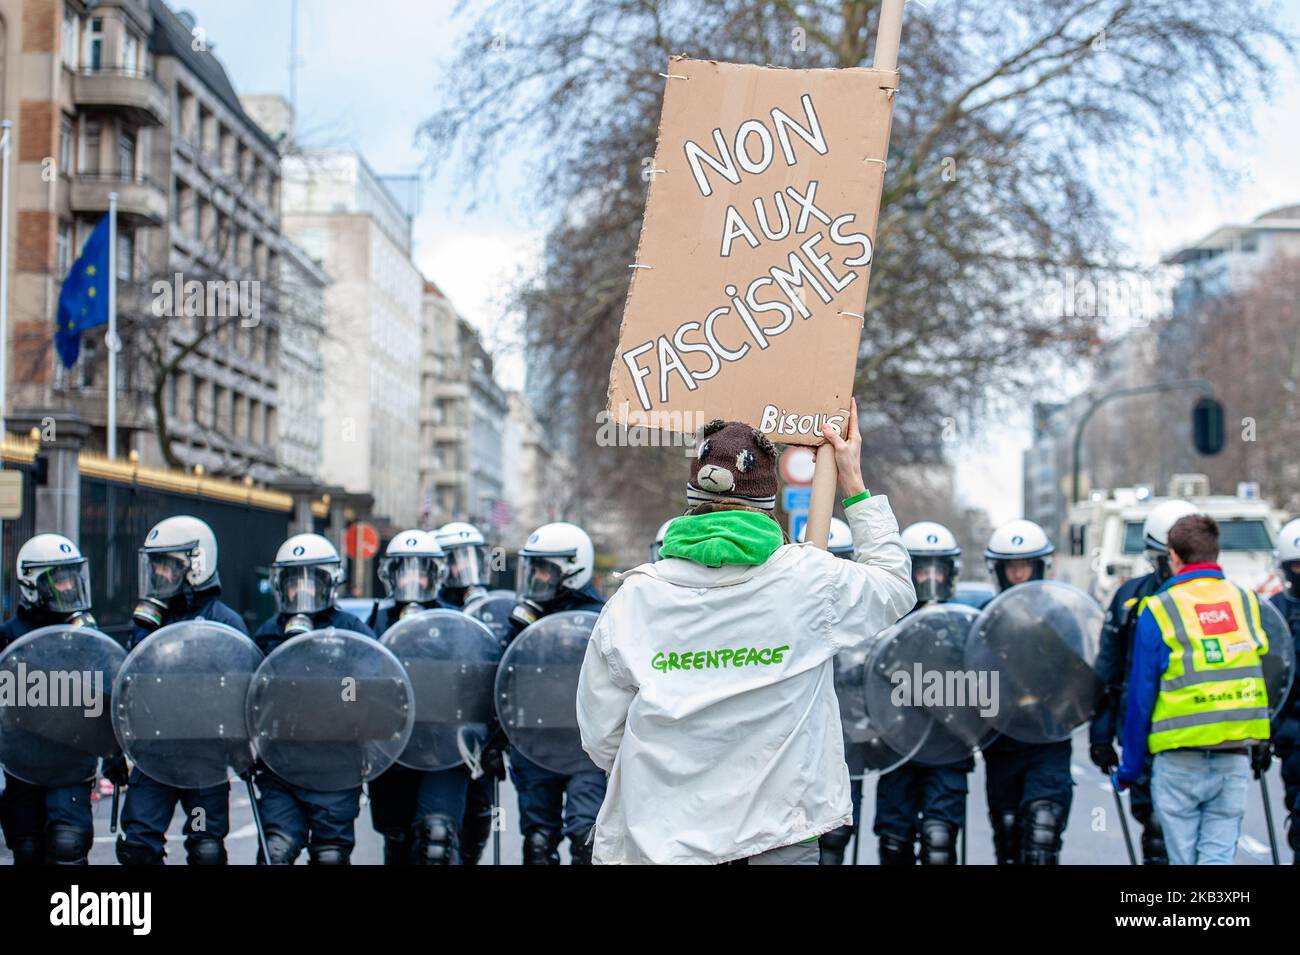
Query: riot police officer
[467,579]
[553,575]
[1286,734]
[915,802]
[1113,667]
[305,578]
[418,813]
[1028,784]
[48,824]
[467,563]
[178,581]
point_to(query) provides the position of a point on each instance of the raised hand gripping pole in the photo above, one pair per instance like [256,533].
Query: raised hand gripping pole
[822,502]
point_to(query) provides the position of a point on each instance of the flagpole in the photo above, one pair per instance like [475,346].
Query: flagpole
[6,131]
[112,325]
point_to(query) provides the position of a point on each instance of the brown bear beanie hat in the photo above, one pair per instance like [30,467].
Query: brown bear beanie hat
[734,463]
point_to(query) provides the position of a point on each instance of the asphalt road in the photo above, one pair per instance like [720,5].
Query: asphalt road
[1094,835]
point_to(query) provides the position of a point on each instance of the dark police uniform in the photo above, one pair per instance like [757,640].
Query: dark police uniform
[149,805]
[294,817]
[1286,730]
[401,797]
[1112,668]
[552,805]
[50,825]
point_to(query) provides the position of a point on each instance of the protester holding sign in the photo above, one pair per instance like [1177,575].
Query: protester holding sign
[708,689]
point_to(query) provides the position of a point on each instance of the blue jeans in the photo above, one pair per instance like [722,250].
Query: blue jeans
[1200,799]
[550,800]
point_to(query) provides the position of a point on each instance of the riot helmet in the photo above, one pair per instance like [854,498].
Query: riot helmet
[54,578]
[1018,552]
[1155,532]
[304,578]
[412,569]
[936,561]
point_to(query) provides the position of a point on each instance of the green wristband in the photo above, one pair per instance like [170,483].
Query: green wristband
[850,501]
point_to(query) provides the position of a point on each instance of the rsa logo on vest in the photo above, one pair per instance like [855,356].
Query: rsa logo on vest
[1216,618]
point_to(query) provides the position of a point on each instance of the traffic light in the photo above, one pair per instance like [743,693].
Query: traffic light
[1207,426]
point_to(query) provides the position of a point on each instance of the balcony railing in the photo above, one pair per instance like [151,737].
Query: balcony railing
[138,196]
[134,93]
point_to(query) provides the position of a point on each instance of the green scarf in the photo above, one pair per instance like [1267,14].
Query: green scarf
[722,537]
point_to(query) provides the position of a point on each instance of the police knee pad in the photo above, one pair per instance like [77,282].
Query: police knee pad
[896,850]
[579,848]
[1043,823]
[938,842]
[205,851]
[434,841]
[67,845]
[1292,833]
[27,850]
[1006,837]
[281,849]
[397,848]
[831,845]
[1153,844]
[137,853]
[540,845]
[329,854]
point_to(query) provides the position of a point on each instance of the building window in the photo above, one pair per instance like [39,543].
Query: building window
[63,250]
[71,27]
[130,52]
[125,254]
[66,140]
[95,44]
[126,155]
[88,161]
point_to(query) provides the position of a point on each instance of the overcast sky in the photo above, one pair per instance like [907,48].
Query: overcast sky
[367,77]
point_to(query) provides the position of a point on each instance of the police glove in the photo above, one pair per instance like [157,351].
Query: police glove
[493,762]
[1104,757]
[116,771]
[1261,758]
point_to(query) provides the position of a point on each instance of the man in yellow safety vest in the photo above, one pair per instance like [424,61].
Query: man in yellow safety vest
[1197,698]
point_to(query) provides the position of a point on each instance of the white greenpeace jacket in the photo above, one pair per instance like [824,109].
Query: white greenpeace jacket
[708,695]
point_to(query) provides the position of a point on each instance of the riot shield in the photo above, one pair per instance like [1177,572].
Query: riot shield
[919,665]
[871,745]
[56,687]
[178,704]
[330,709]
[452,663]
[537,691]
[493,611]
[1279,662]
[1040,641]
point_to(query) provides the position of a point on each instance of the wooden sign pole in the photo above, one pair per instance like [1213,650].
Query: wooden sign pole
[822,502]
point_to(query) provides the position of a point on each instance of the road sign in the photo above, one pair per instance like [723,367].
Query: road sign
[361,540]
[797,465]
[796,498]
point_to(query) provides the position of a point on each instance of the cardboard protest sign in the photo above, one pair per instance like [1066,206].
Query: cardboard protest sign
[750,284]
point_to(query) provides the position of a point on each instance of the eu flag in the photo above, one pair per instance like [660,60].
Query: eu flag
[83,300]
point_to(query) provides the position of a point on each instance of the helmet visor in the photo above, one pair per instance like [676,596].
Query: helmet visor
[933,578]
[62,588]
[411,579]
[466,567]
[538,578]
[304,588]
[162,573]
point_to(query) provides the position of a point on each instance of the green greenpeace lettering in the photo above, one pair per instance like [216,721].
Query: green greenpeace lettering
[718,659]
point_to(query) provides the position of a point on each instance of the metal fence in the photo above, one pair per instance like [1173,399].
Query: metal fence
[116,516]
